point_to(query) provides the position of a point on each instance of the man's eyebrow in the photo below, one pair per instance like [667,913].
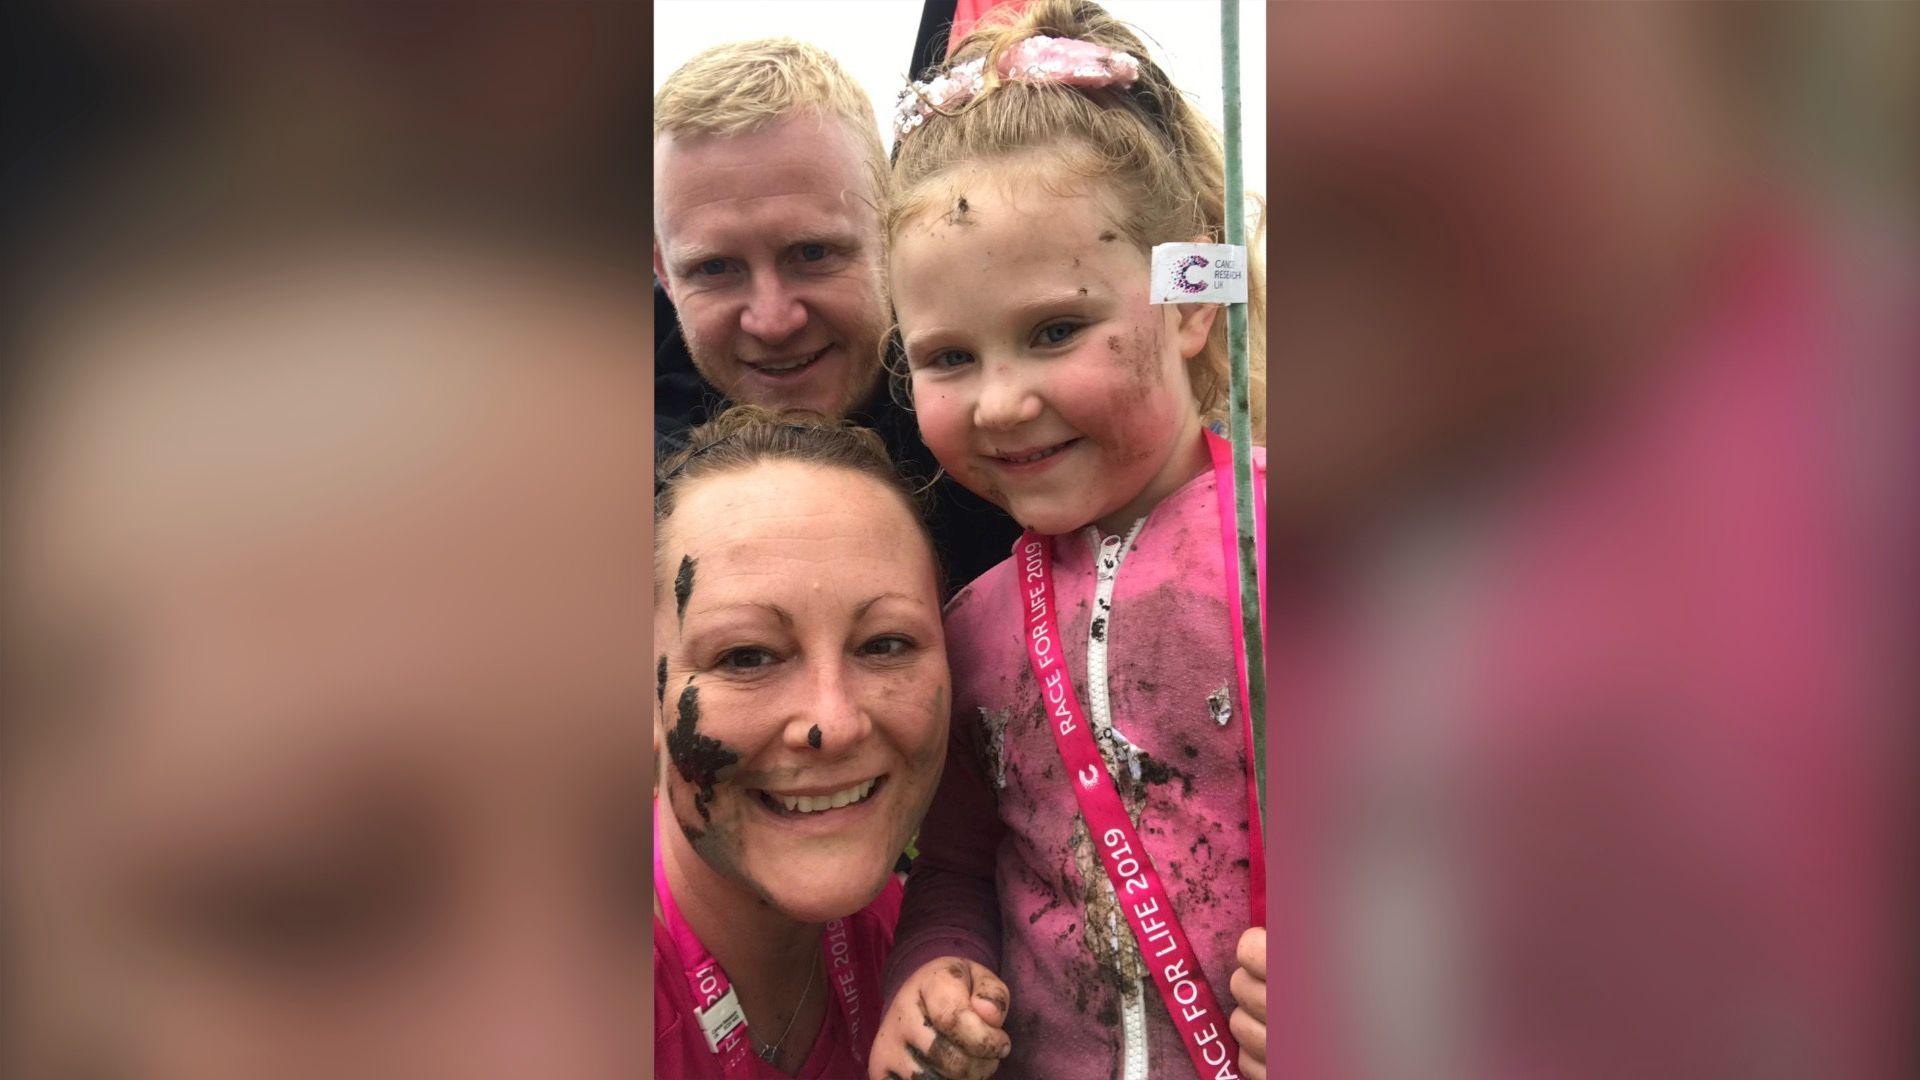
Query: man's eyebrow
[692,255]
[682,257]
[839,237]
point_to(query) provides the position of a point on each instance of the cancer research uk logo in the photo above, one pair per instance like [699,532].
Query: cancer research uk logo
[1207,273]
[1180,279]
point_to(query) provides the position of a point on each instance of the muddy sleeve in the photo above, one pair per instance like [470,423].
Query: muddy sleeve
[951,907]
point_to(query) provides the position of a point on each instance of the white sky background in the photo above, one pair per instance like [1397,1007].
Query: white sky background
[873,39]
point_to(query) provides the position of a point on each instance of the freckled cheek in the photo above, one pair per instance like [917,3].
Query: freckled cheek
[898,704]
[932,747]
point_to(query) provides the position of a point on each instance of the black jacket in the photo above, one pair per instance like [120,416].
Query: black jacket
[970,533]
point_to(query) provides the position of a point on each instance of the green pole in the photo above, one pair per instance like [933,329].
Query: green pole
[1239,416]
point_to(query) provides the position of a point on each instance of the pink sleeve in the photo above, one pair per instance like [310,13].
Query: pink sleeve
[951,907]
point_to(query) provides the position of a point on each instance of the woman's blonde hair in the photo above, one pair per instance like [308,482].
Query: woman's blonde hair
[1151,151]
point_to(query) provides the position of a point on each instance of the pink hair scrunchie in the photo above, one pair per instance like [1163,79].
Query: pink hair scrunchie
[1038,59]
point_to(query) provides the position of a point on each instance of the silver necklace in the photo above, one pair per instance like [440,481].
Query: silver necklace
[771,1053]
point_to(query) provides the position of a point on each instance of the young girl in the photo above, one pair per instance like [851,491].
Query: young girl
[1088,871]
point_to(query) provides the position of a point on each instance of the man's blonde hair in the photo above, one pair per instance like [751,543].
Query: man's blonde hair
[743,86]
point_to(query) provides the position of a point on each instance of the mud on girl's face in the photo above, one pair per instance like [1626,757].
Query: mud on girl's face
[802,659]
[1042,377]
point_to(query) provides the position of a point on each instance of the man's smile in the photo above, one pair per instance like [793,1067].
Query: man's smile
[776,367]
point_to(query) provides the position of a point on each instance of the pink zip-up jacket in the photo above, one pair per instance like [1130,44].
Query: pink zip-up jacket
[1007,876]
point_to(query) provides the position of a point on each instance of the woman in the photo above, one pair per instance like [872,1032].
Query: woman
[802,693]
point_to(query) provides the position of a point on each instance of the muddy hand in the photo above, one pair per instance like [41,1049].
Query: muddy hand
[1249,987]
[945,1023]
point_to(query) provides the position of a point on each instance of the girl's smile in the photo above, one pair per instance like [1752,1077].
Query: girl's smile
[1032,460]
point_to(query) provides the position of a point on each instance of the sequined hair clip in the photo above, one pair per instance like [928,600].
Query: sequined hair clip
[1039,59]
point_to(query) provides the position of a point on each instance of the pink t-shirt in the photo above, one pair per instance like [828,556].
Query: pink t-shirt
[680,1049]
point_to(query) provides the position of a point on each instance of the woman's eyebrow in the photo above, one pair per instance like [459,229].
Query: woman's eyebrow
[861,609]
[778,612]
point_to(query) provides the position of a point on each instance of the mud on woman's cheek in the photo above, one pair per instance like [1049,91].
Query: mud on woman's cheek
[917,720]
[937,720]
[700,759]
[923,763]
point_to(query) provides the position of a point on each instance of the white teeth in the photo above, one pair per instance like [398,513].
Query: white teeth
[813,804]
[1035,456]
[778,369]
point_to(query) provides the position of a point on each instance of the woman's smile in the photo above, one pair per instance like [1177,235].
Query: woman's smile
[828,809]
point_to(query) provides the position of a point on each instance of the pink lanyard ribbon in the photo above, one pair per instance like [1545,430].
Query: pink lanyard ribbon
[1163,944]
[715,1004]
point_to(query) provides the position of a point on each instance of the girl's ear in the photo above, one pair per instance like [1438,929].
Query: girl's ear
[1192,324]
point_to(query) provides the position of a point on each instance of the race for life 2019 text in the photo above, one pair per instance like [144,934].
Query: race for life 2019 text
[1190,1002]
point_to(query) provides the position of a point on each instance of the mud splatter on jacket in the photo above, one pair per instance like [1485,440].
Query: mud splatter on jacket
[1007,876]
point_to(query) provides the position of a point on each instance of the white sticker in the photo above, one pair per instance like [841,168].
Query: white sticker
[1199,274]
[720,1018]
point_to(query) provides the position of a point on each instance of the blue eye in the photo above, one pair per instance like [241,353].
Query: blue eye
[712,267]
[1057,333]
[949,358]
[812,252]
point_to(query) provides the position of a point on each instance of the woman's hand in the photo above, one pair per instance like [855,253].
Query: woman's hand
[1249,987]
[944,1024]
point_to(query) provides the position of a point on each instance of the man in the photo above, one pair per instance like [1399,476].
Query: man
[769,176]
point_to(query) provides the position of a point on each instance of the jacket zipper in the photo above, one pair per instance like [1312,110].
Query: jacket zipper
[1108,551]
